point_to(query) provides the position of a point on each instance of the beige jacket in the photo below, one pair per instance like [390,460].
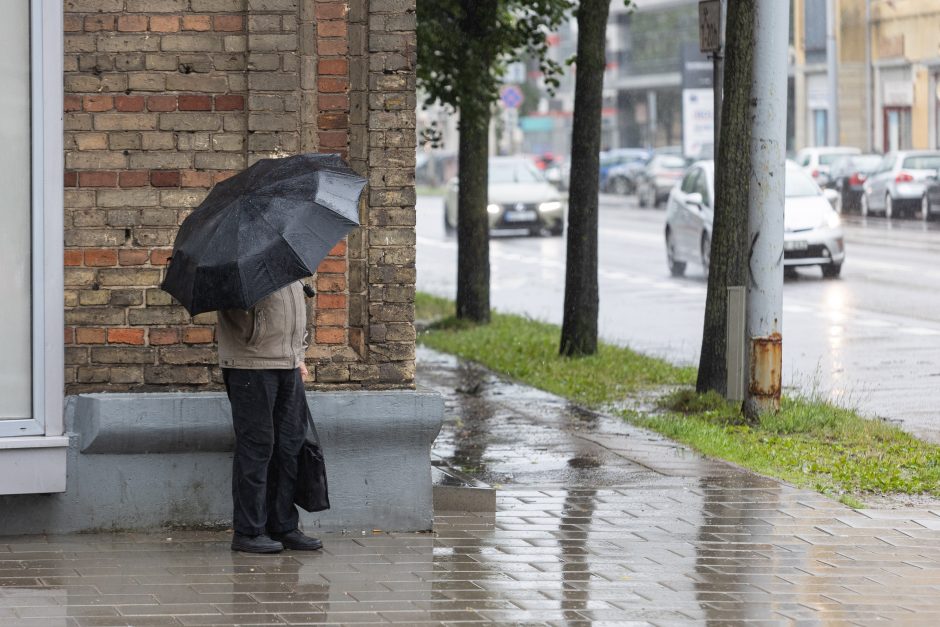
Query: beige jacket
[272,334]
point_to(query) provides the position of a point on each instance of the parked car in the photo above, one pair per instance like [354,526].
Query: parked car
[812,229]
[611,159]
[898,184]
[816,161]
[658,177]
[847,176]
[931,201]
[519,200]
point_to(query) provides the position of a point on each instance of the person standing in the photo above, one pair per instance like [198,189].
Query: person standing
[261,352]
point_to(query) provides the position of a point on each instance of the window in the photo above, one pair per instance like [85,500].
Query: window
[701,186]
[897,128]
[688,183]
[820,128]
[15,216]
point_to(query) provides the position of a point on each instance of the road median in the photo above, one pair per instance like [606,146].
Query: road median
[809,443]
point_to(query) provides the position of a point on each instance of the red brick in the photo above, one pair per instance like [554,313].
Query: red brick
[134,178]
[197,22]
[228,23]
[331,28]
[330,317]
[100,257]
[332,265]
[333,121]
[161,103]
[198,335]
[331,335]
[332,84]
[333,66]
[132,23]
[165,178]
[71,179]
[94,23]
[160,256]
[229,103]
[330,10]
[126,336]
[331,301]
[99,178]
[339,250]
[195,178]
[222,175]
[73,257]
[164,24]
[98,103]
[72,23]
[162,337]
[331,283]
[195,103]
[72,103]
[333,102]
[332,47]
[133,257]
[88,335]
[333,139]
[129,103]
[69,335]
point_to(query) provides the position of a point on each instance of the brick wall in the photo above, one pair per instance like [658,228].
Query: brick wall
[165,98]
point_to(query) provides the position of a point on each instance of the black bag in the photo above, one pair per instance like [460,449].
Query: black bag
[311,493]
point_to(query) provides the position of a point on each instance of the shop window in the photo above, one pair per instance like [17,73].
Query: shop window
[897,128]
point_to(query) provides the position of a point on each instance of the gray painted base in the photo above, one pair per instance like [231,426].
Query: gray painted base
[146,461]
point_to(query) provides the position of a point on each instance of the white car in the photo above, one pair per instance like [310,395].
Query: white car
[817,161]
[520,200]
[812,229]
[899,183]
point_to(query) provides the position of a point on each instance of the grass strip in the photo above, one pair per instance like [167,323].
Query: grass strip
[809,443]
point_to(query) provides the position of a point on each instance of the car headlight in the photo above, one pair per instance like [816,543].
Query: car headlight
[492,208]
[553,205]
[831,221]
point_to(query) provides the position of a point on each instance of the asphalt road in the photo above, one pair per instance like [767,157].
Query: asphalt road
[869,340]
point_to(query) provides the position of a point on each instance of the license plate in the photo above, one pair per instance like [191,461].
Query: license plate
[519,216]
[795,245]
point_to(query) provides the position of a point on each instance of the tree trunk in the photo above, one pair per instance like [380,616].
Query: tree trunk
[728,263]
[473,238]
[579,327]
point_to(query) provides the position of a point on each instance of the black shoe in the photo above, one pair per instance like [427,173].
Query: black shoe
[255,544]
[297,541]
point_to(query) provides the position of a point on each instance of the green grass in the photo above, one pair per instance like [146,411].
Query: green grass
[809,443]
[425,190]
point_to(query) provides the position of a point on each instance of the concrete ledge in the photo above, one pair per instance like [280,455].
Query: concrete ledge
[144,461]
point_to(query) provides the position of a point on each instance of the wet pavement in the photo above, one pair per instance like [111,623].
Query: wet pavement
[597,523]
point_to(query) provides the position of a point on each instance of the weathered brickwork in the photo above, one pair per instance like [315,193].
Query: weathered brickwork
[165,98]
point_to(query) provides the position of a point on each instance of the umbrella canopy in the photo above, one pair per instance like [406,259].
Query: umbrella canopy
[262,229]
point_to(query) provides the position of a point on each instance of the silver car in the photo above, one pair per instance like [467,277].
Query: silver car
[812,229]
[520,200]
[898,184]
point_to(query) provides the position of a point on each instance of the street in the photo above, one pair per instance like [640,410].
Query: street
[870,340]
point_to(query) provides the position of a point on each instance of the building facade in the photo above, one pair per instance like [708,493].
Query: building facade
[162,100]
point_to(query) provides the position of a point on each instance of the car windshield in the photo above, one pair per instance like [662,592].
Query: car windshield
[798,184]
[831,157]
[922,162]
[515,171]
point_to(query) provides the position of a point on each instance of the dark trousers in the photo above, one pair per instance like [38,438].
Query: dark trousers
[268,413]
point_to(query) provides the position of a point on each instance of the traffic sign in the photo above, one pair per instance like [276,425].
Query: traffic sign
[709,25]
[511,96]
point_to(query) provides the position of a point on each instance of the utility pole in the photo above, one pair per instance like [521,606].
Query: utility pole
[832,74]
[764,303]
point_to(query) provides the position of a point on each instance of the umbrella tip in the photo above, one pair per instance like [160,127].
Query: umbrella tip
[309,291]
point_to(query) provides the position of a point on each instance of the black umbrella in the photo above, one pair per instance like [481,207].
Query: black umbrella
[262,229]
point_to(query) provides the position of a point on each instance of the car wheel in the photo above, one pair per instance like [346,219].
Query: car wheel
[558,229]
[863,208]
[676,267]
[619,186]
[449,229]
[889,206]
[706,251]
[832,270]
[925,208]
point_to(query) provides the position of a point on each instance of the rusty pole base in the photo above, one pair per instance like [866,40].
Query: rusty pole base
[766,376]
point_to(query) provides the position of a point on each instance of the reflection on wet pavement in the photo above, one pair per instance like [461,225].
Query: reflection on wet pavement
[597,523]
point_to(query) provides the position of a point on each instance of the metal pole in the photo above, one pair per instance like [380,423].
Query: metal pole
[765,207]
[869,126]
[832,72]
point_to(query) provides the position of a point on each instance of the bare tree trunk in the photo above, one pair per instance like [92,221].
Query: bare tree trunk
[473,239]
[728,259]
[579,327]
